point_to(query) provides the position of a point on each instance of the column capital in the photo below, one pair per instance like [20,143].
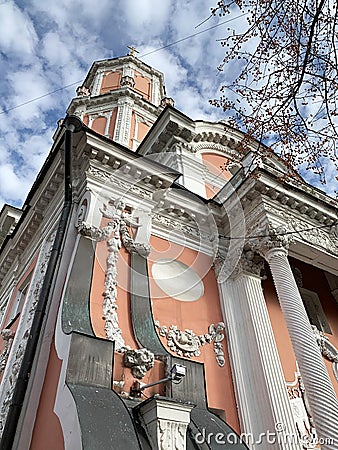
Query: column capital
[269,239]
[250,263]
[245,262]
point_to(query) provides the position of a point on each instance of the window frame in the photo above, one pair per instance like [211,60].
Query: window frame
[315,310]
[19,300]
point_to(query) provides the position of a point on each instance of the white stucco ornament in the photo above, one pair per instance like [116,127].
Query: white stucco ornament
[187,344]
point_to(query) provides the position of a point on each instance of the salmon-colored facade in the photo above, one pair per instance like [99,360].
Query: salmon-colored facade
[180,303]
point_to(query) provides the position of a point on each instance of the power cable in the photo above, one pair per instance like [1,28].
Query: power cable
[40,97]
[193,35]
[141,56]
[286,233]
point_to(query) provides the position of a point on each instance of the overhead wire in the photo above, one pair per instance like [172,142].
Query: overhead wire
[193,35]
[286,233]
[39,98]
[141,56]
[150,53]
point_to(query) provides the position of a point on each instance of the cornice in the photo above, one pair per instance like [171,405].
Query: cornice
[186,135]
[110,64]
[111,157]
[321,210]
[103,101]
[17,245]
[291,219]
[271,176]
[34,215]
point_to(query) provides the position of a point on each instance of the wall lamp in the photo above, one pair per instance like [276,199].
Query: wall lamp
[177,373]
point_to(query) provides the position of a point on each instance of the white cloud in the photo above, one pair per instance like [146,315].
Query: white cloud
[47,45]
[190,87]
[17,33]
[146,16]
[69,14]
[166,62]
[54,50]
[33,149]
[27,85]
[12,186]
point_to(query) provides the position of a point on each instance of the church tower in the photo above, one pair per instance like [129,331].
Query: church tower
[121,98]
[161,290]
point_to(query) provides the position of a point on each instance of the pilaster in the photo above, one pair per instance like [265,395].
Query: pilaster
[97,82]
[193,173]
[166,422]
[22,334]
[123,123]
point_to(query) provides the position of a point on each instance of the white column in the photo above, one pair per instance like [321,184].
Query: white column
[261,393]
[319,389]
[155,97]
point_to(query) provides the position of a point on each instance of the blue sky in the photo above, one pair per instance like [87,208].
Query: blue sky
[47,45]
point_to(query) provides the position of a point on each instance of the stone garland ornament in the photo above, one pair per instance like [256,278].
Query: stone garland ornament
[19,342]
[115,233]
[129,243]
[8,336]
[139,360]
[327,349]
[301,413]
[186,343]
[171,435]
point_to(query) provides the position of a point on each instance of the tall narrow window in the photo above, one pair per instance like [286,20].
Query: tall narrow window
[315,310]
[19,299]
[3,306]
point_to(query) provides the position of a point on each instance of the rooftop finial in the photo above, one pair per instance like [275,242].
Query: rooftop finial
[132,51]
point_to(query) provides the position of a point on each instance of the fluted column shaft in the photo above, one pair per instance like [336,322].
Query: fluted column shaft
[260,386]
[319,389]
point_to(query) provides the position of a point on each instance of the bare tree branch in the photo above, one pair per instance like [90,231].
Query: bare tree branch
[285,87]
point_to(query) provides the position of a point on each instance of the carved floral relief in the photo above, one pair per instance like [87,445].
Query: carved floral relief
[187,344]
[8,336]
[115,233]
[139,360]
[327,349]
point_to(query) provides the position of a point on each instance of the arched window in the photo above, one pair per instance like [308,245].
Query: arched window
[217,172]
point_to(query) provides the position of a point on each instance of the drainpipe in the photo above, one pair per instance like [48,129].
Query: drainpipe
[73,125]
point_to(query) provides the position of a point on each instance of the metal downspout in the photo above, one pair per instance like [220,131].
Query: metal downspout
[73,125]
